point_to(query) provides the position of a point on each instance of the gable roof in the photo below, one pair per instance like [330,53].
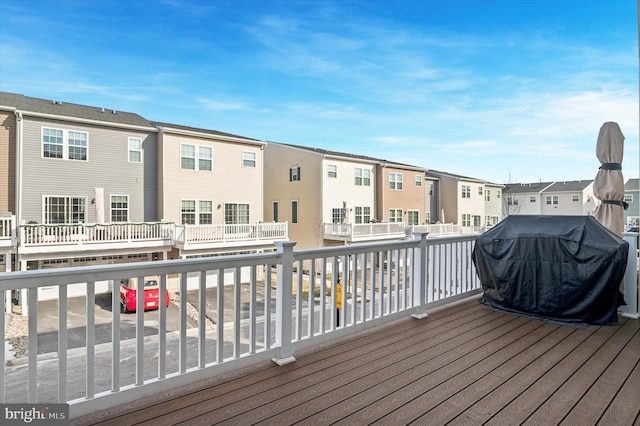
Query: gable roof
[178,128]
[438,174]
[71,112]
[525,188]
[569,186]
[632,185]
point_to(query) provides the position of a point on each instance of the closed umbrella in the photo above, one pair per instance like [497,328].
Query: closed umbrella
[608,185]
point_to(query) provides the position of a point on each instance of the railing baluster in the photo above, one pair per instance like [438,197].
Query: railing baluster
[202,319]
[162,329]
[3,296]
[182,358]
[312,299]
[115,336]
[91,338]
[62,343]
[267,308]
[140,331]
[220,317]
[252,310]
[32,303]
[299,282]
[237,305]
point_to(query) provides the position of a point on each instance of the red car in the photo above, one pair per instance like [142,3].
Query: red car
[128,294]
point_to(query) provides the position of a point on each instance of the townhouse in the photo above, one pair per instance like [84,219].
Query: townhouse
[551,198]
[473,204]
[211,186]
[331,198]
[632,198]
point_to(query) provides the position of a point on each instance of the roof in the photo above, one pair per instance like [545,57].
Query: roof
[71,112]
[569,186]
[632,185]
[323,152]
[525,188]
[205,131]
[437,173]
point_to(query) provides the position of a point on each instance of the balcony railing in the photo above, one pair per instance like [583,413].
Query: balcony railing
[438,229]
[7,231]
[187,236]
[249,309]
[363,231]
[45,238]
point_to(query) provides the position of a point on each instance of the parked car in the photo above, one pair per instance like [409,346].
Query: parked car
[129,289]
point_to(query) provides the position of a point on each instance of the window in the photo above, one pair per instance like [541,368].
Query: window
[477,220]
[395,181]
[248,159]
[119,208]
[512,201]
[395,215]
[532,199]
[205,212]
[236,213]
[188,157]
[575,198]
[275,211]
[430,189]
[363,214]
[487,195]
[628,198]
[332,171]
[413,217]
[552,200]
[294,174]
[466,219]
[53,144]
[466,191]
[479,190]
[188,212]
[363,177]
[337,215]
[427,217]
[135,150]
[205,158]
[294,212]
[64,210]
[196,159]
[418,180]
[77,146]
[498,194]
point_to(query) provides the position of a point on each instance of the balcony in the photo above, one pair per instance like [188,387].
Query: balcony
[261,338]
[194,239]
[7,231]
[37,240]
[363,232]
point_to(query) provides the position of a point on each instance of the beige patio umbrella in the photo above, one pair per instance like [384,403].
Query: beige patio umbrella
[608,185]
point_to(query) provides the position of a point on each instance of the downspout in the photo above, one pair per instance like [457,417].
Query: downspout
[19,143]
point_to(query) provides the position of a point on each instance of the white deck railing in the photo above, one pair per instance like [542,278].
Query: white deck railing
[77,234]
[7,231]
[193,234]
[265,312]
[363,231]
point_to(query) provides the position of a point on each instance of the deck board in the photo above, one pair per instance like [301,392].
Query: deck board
[464,364]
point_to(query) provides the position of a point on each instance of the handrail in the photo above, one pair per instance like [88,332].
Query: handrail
[236,326]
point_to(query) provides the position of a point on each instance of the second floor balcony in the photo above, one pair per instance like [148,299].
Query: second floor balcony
[42,239]
[361,232]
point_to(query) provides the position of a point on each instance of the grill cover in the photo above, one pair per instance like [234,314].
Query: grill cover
[562,268]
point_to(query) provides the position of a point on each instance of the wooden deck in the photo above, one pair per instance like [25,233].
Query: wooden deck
[464,364]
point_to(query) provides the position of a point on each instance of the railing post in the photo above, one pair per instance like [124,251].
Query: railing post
[630,310]
[419,276]
[284,298]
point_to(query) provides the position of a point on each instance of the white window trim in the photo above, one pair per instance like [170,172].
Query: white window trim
[68,198]
[65,143]
[129,150]
[196,158]
[255,159]
[332,168]
[111,209]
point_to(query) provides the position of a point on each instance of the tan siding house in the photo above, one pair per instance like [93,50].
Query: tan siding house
[401,192]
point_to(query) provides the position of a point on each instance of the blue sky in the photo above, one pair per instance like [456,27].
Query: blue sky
[502,90]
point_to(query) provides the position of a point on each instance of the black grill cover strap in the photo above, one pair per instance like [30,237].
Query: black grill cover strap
[624,204]
[611,166]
